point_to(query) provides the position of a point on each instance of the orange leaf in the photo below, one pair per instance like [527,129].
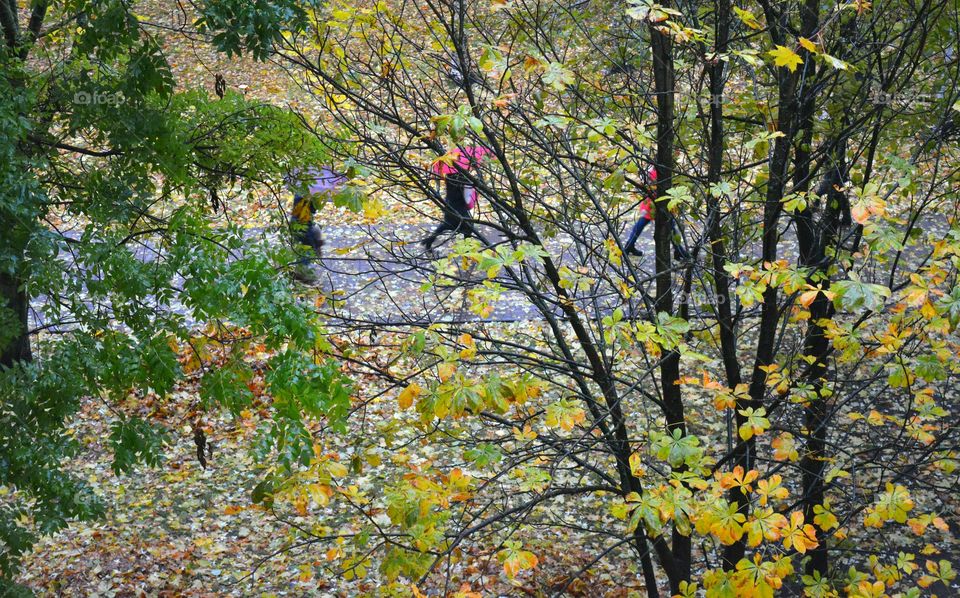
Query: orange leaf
[807,297]
[445,370]
[470,347]
[405,400]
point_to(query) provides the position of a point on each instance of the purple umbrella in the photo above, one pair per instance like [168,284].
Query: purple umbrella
[323,180]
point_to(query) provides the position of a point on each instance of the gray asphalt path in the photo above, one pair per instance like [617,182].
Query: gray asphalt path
[380,274]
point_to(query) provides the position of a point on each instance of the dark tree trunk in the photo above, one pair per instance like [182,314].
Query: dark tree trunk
[816,346]
[15,299]
[721,279]
[664,80]
[744,453]
[9,22]
[816,423]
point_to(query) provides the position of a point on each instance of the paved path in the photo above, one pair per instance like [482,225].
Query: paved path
[379,272]
[377,275]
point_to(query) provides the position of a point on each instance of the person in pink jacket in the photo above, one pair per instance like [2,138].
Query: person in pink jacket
[460,197]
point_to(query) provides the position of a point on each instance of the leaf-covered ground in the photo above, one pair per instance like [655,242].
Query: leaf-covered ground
[182,529]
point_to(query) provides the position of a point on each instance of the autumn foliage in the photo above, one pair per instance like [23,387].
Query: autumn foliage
[763,404]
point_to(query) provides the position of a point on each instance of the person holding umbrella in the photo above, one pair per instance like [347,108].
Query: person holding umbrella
[310,187]
[460,197]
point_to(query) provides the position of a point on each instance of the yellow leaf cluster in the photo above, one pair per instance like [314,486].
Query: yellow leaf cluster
[411,392]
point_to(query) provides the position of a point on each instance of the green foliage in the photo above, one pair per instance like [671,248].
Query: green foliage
[227,387]
[37,403]
[240,26]
[134,441]
[676,449]
[484,454]
[103,139]
[855,294]
[409,563]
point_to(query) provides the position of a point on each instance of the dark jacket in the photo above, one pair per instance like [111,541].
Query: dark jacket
[455,204]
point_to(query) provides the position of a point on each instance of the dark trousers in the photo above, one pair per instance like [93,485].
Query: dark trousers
[454,222]
[307,239]
[635,233]
[641,224]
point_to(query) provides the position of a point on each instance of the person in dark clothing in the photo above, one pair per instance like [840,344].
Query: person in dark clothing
[630,247]
[321,184]
[305,232]
[460,197]
[679,253]
[646,217]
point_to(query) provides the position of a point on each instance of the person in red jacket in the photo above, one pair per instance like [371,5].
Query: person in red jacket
[646,216]
[647,212]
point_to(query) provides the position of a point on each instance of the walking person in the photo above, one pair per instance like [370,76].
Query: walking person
[646,213]
[460,197]
[310,188]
